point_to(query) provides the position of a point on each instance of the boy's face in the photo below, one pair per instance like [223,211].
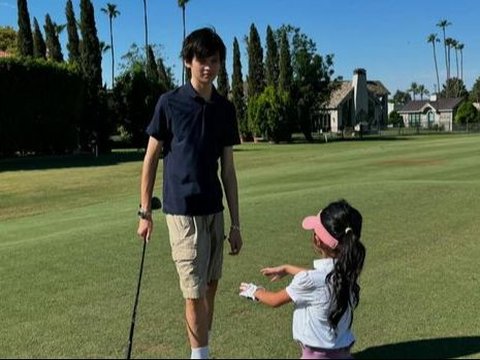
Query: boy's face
[204,70]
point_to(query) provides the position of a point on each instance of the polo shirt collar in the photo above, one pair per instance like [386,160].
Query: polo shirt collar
[191,92]
[325,263]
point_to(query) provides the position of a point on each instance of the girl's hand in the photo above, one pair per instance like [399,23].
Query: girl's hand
[274,273]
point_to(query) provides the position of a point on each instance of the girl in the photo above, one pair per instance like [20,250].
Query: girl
[325,296]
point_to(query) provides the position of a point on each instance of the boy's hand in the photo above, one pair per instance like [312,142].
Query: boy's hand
[235,240]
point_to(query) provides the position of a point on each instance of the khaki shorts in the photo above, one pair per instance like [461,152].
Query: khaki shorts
[197,250]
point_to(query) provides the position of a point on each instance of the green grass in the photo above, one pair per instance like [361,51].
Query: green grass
[69,256]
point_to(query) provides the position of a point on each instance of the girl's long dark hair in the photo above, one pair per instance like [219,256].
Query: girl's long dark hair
[345,223]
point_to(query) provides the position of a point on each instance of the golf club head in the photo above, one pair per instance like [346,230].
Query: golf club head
[156,203]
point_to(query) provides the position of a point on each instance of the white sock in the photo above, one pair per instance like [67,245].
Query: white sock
[199,353]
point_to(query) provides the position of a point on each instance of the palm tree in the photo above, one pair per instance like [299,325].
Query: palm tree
[421,90]
[112,12]
[460,47]
[443,24]
[432,38]
[413,89]
[454,46]
[145,24]
[182,3]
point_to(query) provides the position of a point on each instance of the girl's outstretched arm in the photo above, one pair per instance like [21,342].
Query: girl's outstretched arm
[278,272]
[273,299]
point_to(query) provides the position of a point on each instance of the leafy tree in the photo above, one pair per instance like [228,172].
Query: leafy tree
[152,67]
[454,87]
[433,38]
[165,75]
[93,128]
[8,39]
[112,12]
[401,98]
[285,80]
[466,114]
[181,4]
[270,115]
[312,80]
[238,95]
[91,55]
[256,77]
[271,59]
[395,119]
[54,49]
[222,80]
[39,46]
[475,93]
[73,45]
[24,36]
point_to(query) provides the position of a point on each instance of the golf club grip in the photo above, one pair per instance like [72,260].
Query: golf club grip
[134,314]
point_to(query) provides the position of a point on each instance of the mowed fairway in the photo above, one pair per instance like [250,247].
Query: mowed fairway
[69,256]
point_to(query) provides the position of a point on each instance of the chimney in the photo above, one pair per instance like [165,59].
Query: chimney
[360,93]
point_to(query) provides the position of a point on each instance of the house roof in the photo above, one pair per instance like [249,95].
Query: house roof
[447,104]
[339,94]
[377,88]
[374,87]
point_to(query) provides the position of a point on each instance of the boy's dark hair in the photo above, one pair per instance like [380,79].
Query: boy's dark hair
[203,43]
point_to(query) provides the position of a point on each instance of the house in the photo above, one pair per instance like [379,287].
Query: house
[436,112]
[354,102]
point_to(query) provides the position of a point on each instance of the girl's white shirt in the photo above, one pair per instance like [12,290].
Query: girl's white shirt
[311,297]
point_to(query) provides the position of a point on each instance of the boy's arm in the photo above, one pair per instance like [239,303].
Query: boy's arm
[229,181]
[149,171]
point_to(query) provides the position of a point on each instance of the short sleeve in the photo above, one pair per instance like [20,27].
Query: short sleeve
[158,127]
[300,288]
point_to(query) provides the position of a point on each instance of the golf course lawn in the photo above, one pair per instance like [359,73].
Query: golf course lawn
[70,257]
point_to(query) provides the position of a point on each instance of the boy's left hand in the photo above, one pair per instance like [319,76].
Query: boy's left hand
[235,240]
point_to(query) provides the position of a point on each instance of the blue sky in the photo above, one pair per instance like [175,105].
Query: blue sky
[386,37]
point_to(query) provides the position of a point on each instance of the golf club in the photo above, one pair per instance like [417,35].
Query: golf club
[156,204]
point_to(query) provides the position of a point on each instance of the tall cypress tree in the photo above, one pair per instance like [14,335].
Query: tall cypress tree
[24,36]
[152,68]
[285,80]
[256,77]
[39,47]
[54,49]
[222,80]
[73,45]
[91,57]
[271,59]
[164,75]
[238,95]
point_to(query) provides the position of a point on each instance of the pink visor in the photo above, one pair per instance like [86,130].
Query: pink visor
[314,223]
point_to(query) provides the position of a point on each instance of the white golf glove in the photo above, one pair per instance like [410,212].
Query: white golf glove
[247,290]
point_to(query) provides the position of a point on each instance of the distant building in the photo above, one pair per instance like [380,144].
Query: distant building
[355,102]
[428,113]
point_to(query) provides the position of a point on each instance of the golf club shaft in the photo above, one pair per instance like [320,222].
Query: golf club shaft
[132,326]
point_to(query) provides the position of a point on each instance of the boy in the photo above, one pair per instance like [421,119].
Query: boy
[193,126]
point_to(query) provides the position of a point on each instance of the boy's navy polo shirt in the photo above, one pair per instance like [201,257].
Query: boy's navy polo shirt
[194,133]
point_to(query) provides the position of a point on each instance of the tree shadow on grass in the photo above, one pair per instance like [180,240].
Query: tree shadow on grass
[440,348]
[69,161]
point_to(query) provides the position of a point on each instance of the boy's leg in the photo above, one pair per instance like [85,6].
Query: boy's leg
[197,322]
